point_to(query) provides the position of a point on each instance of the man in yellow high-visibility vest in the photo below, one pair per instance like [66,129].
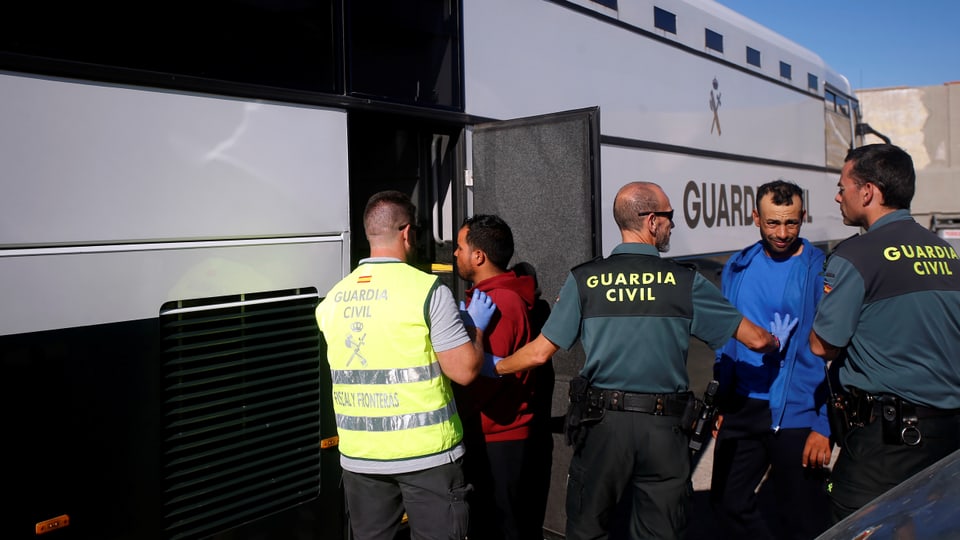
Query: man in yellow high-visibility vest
[395,340]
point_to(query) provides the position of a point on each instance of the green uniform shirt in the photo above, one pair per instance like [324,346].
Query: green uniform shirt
[634,313]
[892,298]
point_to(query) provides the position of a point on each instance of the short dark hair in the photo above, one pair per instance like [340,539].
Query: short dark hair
[783,192]
[493,236]
[387,210]
[889,168]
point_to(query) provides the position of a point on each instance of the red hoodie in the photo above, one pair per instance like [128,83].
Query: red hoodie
[504,403]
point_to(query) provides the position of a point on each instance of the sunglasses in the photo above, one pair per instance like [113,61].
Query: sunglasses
[667,214]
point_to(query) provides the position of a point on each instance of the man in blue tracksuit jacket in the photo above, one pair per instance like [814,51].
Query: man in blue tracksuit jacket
[773,405]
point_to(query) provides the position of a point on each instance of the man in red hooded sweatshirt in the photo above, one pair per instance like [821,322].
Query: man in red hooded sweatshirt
[497,412]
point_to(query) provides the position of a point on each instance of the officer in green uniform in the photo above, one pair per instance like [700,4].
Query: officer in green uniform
[634,314]
[892,302]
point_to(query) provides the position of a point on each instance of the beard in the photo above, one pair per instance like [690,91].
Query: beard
[663,243]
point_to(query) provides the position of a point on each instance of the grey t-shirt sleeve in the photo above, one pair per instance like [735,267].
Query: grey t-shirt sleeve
[446,327]
[714,318]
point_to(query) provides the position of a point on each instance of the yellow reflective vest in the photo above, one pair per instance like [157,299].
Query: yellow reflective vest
[391,400]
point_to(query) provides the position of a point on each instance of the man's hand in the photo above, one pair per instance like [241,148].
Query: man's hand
[716,426]
[489,368]
[781,328]
[817,450]
[480,312]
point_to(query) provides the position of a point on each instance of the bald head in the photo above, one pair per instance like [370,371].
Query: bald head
[644,215]
[634,201]
[385,216]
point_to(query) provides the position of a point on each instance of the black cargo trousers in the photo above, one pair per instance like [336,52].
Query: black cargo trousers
[642,455]
[867,466]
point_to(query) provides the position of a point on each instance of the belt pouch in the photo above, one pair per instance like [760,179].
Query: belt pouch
[890,418]
[691,413]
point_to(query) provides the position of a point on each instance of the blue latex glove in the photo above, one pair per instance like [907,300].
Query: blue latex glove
[781,328]
[480,312]
[489,368]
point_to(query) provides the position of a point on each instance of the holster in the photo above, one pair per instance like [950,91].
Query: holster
[838,413]
[582,411]
[701,416]
[842,414]
[691,414]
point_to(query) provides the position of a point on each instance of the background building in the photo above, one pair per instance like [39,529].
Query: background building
[924,121]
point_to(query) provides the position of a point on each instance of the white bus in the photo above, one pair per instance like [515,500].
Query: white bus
[183,183]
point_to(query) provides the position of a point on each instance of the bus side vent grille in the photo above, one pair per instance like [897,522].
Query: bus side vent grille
[241,409]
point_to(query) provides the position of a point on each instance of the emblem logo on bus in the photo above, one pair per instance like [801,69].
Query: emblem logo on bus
[715,106]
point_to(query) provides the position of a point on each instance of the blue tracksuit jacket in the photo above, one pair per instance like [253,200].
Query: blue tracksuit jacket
[798,394]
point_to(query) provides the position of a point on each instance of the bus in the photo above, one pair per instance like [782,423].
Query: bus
[183,182]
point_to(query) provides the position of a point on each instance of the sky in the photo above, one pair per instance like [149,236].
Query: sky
[873,43]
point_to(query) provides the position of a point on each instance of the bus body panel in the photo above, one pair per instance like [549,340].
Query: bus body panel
[83,288]
[561,59]
[108,164]
[121,202]
[713,199]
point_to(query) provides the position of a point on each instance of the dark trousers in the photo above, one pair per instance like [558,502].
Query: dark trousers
[867,467]
[434,500]
[539,465]
[637,455]
[511,482]
[745,449]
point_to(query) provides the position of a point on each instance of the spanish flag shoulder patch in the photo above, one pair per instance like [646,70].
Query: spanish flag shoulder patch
[364,279]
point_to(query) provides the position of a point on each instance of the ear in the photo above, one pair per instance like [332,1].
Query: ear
[650,224]
[479,257]
[870,193]
[756,217]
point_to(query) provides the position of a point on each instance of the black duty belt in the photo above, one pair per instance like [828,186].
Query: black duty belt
[867,406]
[658,404]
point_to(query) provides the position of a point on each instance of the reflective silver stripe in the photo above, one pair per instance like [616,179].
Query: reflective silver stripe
[397,422]
[386,376]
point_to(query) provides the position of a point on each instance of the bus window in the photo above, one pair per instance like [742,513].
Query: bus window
[664,20]
[786,71]
[838,128]
[713,40]
[421,65]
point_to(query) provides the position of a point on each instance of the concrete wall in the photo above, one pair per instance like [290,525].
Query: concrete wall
[924,121]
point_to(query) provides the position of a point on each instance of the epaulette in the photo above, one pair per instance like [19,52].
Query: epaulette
[593,260]
[826,259]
